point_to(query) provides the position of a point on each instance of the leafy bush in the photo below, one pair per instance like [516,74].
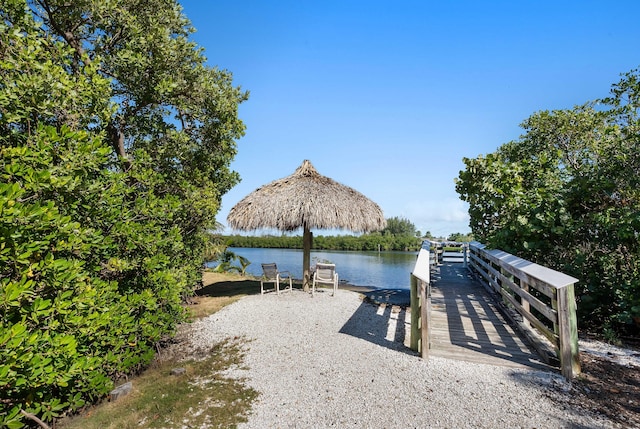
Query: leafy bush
[56,311]
[99,242]
[567,195]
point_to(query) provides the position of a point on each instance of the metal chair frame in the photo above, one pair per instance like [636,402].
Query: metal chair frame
[270,274]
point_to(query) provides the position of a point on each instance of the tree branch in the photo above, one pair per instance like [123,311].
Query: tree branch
[67,35]
[117,142]
[35,419]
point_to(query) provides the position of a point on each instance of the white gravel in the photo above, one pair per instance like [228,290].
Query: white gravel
[324,361]
[625,357]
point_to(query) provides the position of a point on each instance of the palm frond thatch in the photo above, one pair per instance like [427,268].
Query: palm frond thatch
[306,199]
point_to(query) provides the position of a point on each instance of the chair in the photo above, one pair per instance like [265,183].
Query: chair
[270,274]
[326,274]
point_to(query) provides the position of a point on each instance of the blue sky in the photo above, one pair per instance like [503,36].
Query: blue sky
[388,96]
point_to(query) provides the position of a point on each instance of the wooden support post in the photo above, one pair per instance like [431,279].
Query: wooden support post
[415,315]
[425,318]
[526,307]
[307,242]
[420,309]
[554,305]
[568,332]
[465,256]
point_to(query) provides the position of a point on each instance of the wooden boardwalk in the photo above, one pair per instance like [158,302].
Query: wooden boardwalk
[467,326]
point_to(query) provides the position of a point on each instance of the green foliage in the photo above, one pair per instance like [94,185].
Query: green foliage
[400,235]
[226,259]
[56,313]
[364,242]
[566,195]
[400,226]
[104,200]
[460,237]
[214,245]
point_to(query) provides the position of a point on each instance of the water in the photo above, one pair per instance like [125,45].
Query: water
[381,270]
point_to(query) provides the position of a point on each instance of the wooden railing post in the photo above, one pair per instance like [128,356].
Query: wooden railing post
[425,318]
[420,304]
[415,315]
[568,332]
[465,250]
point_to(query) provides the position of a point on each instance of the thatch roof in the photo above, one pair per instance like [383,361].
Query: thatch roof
[307,199]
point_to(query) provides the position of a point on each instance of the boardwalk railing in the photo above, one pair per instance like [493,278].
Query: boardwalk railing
[431,255]
[446,252]
[544,298]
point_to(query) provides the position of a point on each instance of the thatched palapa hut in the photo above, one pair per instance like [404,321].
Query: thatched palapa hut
[306,200]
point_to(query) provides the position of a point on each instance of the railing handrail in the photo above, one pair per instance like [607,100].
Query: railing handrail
[523,268]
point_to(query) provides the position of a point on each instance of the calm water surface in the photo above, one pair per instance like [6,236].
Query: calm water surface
[383,270]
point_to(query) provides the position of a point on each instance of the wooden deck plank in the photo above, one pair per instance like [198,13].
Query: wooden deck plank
[466,325]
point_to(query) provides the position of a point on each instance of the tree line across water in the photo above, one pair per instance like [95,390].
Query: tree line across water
[363,242]
[400,234]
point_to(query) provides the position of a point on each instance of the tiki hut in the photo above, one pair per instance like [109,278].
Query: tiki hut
[306,200]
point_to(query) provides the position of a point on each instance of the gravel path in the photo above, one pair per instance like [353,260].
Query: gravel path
[328,361]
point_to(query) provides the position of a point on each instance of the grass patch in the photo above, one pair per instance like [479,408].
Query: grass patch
[220,290]
[453,249]
[201,397]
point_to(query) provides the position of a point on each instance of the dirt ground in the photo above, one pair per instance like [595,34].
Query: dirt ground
[608,388]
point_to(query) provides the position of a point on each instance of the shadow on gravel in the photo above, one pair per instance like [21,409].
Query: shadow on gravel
[400,297]
[381,324]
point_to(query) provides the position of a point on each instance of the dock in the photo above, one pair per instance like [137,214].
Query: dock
[466,324]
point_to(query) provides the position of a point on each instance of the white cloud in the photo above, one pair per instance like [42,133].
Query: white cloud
[441,217]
